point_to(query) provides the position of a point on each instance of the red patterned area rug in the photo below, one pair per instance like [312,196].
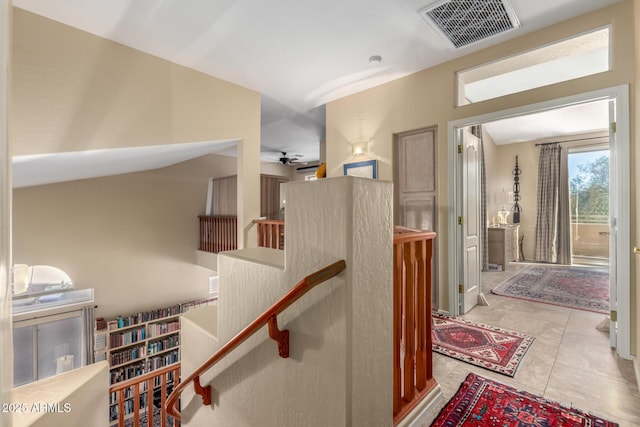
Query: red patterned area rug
[583,288]
[484,402]
[489,347]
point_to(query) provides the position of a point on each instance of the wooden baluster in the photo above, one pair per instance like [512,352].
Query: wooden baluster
[274,236]
[121,408]
[150,383]
[215,235]
[163,400]
[397,326]
[421,350]
[234,227]
[136,405]
[409,347]
[224,235]
[176,375]
[210,235]
[429,339]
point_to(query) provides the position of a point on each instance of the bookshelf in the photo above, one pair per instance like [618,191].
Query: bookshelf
[137,344]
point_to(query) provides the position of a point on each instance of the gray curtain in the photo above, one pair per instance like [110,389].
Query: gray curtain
[89,322]
[477,131]
[553,221]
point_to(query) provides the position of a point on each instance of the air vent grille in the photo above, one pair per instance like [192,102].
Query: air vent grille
[464,22]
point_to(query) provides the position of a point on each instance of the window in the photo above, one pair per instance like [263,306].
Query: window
[589,200]
[579,56]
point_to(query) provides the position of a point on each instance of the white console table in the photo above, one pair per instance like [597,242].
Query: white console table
[503,245]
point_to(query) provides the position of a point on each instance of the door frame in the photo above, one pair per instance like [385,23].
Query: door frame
[622,152]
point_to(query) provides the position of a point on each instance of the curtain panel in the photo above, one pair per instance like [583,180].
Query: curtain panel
[552,232]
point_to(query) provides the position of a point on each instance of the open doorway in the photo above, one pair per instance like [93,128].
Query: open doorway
[619,204]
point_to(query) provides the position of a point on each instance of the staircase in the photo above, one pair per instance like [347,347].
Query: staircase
[340,366]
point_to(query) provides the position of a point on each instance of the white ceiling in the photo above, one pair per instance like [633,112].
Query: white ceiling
[41,169]
[298,54]
[573,120]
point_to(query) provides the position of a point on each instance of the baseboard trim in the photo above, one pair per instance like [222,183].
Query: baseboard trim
[425,410]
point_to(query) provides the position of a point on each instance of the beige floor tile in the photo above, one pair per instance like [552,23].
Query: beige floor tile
[570,360]
[613,399]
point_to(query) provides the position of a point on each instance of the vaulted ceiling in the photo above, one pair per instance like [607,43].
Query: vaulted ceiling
[298,54]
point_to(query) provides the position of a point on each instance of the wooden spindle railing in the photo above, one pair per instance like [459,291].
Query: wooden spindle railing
[270,233]
[269,317]
[412,358]
[218,233]
[163,380]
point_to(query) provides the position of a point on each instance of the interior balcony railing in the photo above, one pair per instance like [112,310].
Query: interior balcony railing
[140,401]
[218,233]
[269,317]
[270,233]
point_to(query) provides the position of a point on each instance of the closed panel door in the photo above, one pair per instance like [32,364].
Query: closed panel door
[415,187]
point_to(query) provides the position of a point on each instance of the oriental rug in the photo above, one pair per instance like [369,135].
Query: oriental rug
[484,402]
[497,349]
[583,288]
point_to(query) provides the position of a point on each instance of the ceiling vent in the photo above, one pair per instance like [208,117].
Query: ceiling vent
[464,22]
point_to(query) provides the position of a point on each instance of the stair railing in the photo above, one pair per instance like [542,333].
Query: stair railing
[162,379]
[269,317]
[412,342]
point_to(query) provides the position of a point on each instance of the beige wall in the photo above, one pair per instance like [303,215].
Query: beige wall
[427,98]
[132,237]
[74,91]
[502,172]
[81,397]
[635,154]
[332,344]
[6,344]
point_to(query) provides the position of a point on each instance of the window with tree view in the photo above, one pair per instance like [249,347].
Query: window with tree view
[589,201]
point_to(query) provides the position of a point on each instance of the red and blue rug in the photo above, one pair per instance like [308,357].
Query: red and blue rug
[484,402]
[583,288]
[497,349]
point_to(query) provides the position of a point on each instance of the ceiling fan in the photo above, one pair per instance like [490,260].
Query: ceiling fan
[288,160]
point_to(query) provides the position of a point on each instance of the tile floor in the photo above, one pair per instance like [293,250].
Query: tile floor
[570,361]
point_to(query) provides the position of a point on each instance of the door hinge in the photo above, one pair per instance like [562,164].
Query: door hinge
[461,289]
[460,220]
[614,315]
[459,148]
[614,127]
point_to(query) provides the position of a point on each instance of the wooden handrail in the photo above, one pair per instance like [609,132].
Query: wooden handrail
[268,317]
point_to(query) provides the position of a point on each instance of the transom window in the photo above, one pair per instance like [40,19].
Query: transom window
[579,56]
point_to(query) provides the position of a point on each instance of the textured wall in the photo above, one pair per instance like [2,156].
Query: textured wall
[340,369]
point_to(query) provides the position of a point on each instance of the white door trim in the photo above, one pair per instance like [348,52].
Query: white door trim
[623,248]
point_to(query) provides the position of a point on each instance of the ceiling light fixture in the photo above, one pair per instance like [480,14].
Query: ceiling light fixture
[375,59]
